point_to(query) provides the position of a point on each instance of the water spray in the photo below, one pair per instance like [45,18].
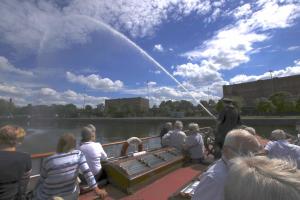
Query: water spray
[145,54]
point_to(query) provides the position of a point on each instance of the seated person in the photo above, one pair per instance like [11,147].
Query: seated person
[194,144]
[176,137]
[281,148]
[165,129]
[15,167]
[93,151]
[59,172]
[237,142]
[261,178]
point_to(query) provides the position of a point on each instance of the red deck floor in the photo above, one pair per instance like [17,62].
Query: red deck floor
[160,189]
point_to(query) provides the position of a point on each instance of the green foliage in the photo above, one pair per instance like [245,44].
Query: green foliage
[297,105]
[219,106]
[264,105]
[282,102]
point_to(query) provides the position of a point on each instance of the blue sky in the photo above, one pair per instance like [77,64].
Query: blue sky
[74,50]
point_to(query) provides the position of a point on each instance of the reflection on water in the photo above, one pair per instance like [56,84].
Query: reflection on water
[42,135]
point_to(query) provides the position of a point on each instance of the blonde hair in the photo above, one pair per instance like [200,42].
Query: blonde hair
[11,135]
[66,143]
[261,178]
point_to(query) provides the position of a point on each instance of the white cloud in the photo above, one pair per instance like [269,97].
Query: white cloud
[288,71]
[242,11]
[95,81]
[50,96]
[293,48]
[152,83]
[6,66]
[38,24]
[198,75]
[13,90]
[157,72]
[46,95]
[163,93]
[233,45]
[158,47]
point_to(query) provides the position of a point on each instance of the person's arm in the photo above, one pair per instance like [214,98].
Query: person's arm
[89,177]
[25,179]
[208,189]
[268,147]
[103,154]
[166,139]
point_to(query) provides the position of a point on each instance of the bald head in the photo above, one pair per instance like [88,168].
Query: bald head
[239,142]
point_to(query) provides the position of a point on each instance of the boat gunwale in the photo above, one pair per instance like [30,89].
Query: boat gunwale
[43,155]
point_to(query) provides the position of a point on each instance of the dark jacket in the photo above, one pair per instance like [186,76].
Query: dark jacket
[229,118]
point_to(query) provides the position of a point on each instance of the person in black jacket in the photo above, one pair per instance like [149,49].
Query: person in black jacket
[15,167]
[229,118]
[165,129]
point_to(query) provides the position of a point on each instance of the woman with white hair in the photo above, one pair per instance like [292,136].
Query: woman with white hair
[176,137]
[194,144]
[92,150]
[281,148]
[261,178]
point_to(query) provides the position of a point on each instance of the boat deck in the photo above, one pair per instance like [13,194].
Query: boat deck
[160,189]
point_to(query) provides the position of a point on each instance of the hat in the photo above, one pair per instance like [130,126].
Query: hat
[227,100]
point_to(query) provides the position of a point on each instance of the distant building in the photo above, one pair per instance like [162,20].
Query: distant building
[134,105]
[250,91]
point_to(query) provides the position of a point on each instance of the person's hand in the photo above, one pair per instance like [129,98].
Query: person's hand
[100,192]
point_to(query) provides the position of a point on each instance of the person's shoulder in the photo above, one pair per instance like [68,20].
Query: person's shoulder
[217,170]
[182,133]
[20,155]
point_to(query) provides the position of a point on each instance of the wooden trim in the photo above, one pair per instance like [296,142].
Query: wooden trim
[121,142]
[43,155]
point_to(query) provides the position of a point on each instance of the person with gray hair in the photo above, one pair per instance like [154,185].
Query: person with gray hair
[281,148]
[92,150]
[175,138]
[237,143]
[92,127]
[194,144]
[261,178]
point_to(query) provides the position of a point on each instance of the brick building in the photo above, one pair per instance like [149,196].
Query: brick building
[250,91]
[137,104]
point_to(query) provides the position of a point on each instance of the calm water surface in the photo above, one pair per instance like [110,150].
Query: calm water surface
[42,136]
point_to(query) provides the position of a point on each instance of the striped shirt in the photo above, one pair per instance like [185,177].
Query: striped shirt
[59,175]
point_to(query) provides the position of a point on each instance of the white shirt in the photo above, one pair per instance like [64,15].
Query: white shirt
[282,149]
[212,182]
[94,153]
[195,145]
[174,138]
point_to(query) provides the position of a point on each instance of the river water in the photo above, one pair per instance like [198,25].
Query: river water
[42,135]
